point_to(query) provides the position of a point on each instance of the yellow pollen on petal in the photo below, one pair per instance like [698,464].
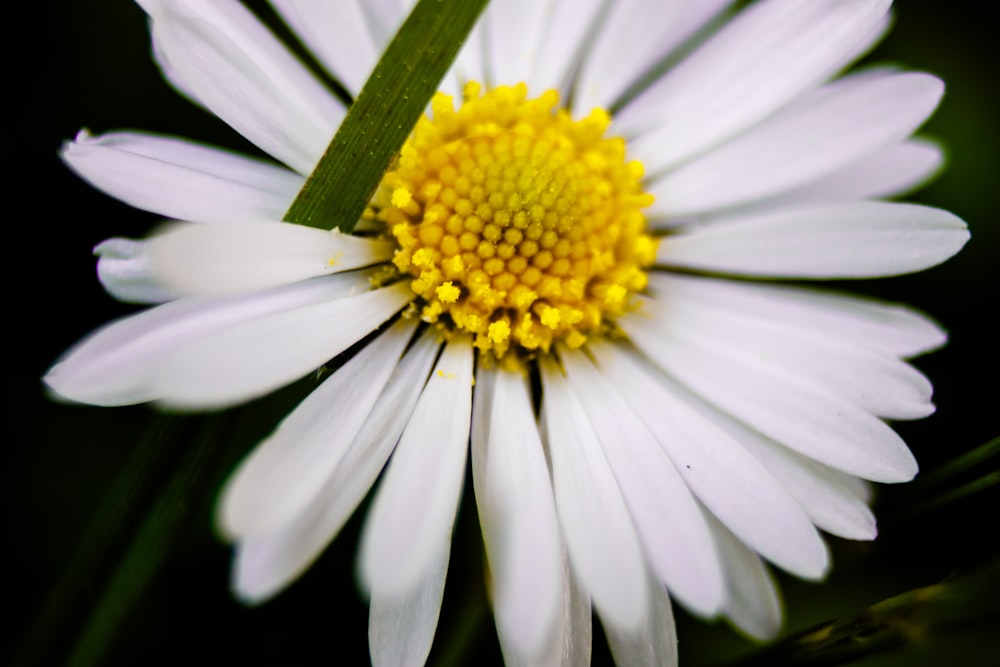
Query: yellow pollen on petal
[515,223]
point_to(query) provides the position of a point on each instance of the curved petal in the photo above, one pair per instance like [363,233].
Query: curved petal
[514,30]
[253,358]
[655,643]
[602,543]
[123,268]
[884,328]
[118,364]
[880,384]
[384,18]
[283,474]
[669,523]
[181,179]
[651,29]
[517,514]
[794,412]
[717,469]
[609,67]
[469,65]
[889,172]
[766,56]
[562,45]
[220,53]
[752,603]
[223,259]
[569,645]
[414,508]
[338,35]
[401,624]
[852,240]
[577,620]
[814,136]
[264,565]
[827,500]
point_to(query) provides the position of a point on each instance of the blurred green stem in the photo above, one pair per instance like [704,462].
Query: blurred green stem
[905,620]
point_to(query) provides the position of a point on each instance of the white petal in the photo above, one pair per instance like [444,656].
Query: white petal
[285,472]
[469,65]
[762,59]
[222,259]
[889,172]
[670,525]
[885,328]
[514,31]
[517,514]
[826,495]
[401,624]
[220,53]
[181,179]
[118,364]
[880,384]
[337,33]
[828,501]
[385,17]
[627,43]
[577,622]
[602,543]
[752,604]
[266,564]
[631,37]
[816,135]
[561,46]
[730,482]
[569,644]
[253,358]
[655,643]
[794,412]
[852,240]
[123,268]
[414,509]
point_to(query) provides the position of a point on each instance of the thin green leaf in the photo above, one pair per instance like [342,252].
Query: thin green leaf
[960,464]
[195,475]
[387,109]
[949,482]
[92,559]
[902,621]
[978,485]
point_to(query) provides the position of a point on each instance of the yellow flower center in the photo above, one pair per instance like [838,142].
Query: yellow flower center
[517,224]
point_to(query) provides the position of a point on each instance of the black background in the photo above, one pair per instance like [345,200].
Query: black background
[77,63]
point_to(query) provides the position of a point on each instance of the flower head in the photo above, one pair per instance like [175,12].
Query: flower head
[559,274]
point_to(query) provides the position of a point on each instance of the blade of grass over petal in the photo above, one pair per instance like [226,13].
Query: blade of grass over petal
[386,110]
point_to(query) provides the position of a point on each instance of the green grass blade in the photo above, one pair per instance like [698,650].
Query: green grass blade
[384,114]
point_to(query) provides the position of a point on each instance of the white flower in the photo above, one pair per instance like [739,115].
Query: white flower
[635,429]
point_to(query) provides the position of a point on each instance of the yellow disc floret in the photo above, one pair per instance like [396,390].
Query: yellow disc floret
[516,223]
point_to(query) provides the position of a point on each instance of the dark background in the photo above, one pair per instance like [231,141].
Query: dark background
[82,480]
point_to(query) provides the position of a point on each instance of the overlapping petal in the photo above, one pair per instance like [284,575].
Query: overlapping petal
[845,240]
[224,259]
[412,514]
[263,565]
[182,179]
[124,270]
[223,56]
[815,136]
[762,59]
[603,547]
[517,513]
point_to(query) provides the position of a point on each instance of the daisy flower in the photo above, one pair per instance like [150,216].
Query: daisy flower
[560,277]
